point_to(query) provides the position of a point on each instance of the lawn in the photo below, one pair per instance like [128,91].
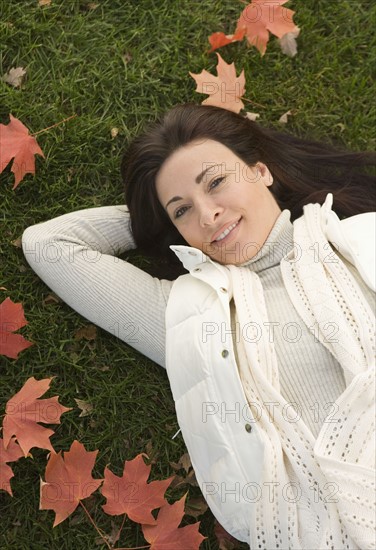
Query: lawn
[119,66]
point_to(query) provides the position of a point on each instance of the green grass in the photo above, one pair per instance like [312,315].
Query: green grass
[121,65]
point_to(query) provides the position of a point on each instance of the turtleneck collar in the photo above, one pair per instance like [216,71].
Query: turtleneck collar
[276,246]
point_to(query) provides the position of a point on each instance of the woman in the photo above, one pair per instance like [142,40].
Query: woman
[268,338]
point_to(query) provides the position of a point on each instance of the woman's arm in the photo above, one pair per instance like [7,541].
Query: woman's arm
[76,256]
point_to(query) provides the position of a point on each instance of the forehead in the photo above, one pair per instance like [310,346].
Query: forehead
[189,160]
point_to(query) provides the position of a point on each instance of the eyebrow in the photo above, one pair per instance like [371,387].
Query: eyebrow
[197,180]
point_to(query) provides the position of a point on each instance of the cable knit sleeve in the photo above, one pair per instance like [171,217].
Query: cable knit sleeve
[76,256]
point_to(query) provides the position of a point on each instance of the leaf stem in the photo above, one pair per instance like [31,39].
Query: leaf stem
[121,528]
[253,102]
[53,126]
[95,526]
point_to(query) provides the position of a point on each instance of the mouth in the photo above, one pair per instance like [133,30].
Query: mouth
[222,236]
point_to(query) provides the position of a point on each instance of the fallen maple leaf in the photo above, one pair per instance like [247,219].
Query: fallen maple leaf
[225,540]
[11,319]
[51,298]
[257,19]
[224,90]
[23,412]
[151,452]
[11,454]
[260,17]
[252,116]
[219,39]
[14,76]
[288,42]
[86,408]
[184,463]
[131,494]
[166,535]
[68,480]
[196,506]
[88,332]
[17,143]
[283,119]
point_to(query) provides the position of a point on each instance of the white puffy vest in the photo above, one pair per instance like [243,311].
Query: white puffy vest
[222,436]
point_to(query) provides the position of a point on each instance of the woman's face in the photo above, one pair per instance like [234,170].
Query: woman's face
[218,203]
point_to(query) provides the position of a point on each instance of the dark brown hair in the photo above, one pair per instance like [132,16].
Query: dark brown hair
[303,171]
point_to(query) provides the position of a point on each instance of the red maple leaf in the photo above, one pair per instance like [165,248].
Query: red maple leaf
[131,494]
[219,39]
[260,17]
[17,143]
[23,412]
[257,20]
[166,535]
[11,454]
[224,90]
[11,319]
[68,481]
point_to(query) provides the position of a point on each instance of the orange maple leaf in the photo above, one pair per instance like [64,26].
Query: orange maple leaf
[23,412]
[219,39]
[17,143]
[11,319]
[257,19]
[131,494]
[224,90]
[166,535]
[260,17]
[68,481]
[11,454]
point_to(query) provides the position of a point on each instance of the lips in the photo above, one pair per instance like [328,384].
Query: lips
[224,231]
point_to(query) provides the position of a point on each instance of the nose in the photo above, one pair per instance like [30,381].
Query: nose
[208,212]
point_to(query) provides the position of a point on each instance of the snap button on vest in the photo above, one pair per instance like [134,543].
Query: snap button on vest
[196,269]
[224,353]
[223,289]
[248,428]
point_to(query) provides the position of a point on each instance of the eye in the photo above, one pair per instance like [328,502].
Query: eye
[216,182]
[180,211]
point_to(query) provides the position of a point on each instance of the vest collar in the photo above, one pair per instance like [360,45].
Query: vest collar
[190,257]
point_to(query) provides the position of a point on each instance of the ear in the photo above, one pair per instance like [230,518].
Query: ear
[265,173]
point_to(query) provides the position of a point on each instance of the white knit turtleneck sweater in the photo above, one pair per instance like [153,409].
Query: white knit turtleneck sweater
[310,376]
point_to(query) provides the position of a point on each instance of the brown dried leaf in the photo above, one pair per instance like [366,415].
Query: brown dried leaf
[283,118]
[89,332]
[225,540]
[196,506]
[185,461]
[152,454]
[288,42]
[252,116]
[51,298]
[180,481]
[17,242]
[86,408]
[14,76]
